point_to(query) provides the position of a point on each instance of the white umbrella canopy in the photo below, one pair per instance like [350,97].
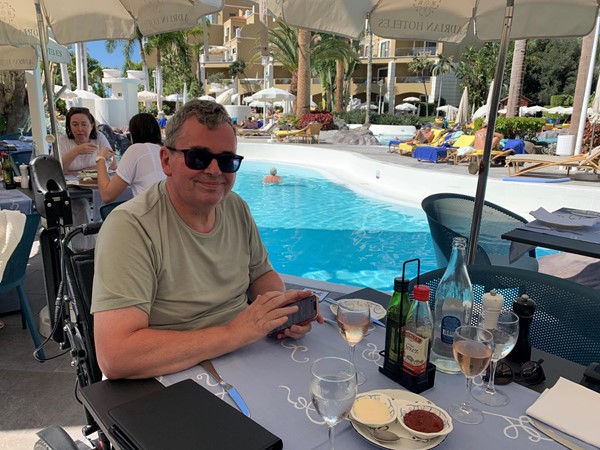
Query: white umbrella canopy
[439,21]
[462,115]
[449,110]
[207,97]
[174,97]
[147,96]
[259,104]
[273,94]
[405,107]
[411,99]
[86,20]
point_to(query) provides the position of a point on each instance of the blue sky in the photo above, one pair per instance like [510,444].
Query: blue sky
[115,60]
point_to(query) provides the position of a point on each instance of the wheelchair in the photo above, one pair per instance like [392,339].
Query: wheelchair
[68,277]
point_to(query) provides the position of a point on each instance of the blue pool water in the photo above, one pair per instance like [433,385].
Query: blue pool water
[318,229]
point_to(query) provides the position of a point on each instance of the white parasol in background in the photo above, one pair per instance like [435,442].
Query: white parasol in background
[462,115]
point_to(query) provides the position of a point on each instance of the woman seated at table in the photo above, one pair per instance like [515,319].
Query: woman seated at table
[82,142]
[140,165]
[79,149]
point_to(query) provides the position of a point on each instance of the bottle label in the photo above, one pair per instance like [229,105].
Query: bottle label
[416,350]
[449,326]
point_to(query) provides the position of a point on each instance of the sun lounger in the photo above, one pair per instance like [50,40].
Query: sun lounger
[407,149]
[267,130]
[284,135]
[522,164]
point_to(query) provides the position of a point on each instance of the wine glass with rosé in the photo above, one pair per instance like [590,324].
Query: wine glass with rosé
[472,348]
[353,319]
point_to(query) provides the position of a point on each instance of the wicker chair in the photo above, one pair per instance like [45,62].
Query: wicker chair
[566,322]
[450,216]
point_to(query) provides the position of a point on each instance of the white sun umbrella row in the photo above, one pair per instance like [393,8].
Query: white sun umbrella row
[449,110]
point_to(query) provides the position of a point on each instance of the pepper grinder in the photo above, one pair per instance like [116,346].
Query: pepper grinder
[523,307]
[492,305]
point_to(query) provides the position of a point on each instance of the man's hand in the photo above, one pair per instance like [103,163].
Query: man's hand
[267,312]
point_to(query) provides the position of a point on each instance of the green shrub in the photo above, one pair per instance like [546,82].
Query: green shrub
[561,100]
[288,121]
[519,127]
[358,116]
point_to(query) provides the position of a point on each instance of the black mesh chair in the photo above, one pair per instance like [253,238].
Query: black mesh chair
[105,210]
[450,215]
[566,322]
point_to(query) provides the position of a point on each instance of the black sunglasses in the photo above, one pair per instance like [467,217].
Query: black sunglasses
[200,159]
[531,373]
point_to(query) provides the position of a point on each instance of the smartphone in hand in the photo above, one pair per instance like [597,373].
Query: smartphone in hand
[308,310]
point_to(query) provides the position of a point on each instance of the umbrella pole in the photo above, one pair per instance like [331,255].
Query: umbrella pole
[47,78]
[369,70]
[487,149]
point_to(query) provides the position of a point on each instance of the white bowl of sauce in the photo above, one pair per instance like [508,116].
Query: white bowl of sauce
[373,409]
[425,421]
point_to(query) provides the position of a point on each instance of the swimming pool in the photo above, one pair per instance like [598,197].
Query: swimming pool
[315,228]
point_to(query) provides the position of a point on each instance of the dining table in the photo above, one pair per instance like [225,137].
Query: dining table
[15,199]
[580,240]
[273,377]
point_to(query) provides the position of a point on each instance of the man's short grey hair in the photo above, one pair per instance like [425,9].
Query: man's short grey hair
[273,171]
[208,113]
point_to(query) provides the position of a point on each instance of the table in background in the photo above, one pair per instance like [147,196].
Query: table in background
[273,377]
[580,241]
[16,200]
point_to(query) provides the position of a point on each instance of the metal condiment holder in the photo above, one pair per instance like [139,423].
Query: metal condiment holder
[391,370]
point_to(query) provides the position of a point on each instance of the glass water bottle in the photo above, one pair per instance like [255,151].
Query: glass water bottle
[453,307]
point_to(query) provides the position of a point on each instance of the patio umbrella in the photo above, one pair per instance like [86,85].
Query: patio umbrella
[448,22]
[449,110]
[273,94]
[85,94]
[462,115]
[406,107]
[64,92]
[147,96]
[411,99]
[207,97]
[174,97]
[22,21]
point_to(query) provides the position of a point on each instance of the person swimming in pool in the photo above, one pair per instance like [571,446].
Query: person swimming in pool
[272,177]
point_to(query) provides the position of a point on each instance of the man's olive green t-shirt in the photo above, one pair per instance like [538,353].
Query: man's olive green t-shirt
[146,256]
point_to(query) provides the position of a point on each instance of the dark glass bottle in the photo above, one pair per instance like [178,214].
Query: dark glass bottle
[7,173]
[523,307]
[396,321]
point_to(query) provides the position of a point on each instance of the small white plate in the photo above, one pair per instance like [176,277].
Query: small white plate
[400,398]
[377,311]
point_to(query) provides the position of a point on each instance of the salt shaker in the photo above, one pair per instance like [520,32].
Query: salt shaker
[492,305]
[24,169]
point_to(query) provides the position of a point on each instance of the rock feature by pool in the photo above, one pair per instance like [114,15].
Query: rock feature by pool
[356,136]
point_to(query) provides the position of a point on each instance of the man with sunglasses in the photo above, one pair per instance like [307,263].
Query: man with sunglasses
[181,274]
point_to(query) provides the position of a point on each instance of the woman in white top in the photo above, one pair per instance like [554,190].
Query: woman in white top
[140,165]
[80,147]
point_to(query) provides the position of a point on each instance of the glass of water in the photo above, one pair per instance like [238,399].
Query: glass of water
[333,390]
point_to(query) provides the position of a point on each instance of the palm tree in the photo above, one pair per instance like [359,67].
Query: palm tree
[517,72]
[585,59]
[237,68]
[283,45]
[330,56]
[128,48]
[420,65]
[303,97]
[441,67]
[173,42]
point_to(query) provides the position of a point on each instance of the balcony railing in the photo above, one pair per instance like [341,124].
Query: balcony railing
[415,51]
